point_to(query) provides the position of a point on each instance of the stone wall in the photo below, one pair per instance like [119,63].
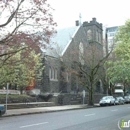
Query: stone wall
[17,100]
[73,99]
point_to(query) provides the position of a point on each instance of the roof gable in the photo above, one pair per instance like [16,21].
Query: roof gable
[62,41]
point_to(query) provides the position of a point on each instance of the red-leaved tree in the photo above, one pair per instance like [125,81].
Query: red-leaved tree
[24,22]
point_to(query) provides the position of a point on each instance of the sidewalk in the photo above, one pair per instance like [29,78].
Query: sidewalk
[25,111]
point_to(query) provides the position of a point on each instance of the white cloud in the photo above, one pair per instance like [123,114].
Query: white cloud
[108,12]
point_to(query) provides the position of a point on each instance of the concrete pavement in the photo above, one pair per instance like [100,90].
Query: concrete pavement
[25,111]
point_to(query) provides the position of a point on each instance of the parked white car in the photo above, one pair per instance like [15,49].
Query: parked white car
[119,100]
[107,100]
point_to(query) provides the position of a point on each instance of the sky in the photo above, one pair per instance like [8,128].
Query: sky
[108,12]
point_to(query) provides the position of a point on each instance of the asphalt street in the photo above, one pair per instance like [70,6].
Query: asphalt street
[99,118]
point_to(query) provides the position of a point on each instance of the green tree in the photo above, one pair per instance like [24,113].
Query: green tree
[119,69]
[89,69]
[21,69]
[25,27]
[92,69]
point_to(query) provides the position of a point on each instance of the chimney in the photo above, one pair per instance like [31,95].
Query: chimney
[94,19]
[77,22]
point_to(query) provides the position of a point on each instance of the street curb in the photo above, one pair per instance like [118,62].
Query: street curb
[48,111]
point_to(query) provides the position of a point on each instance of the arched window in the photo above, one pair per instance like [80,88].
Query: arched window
[81,48]
[89,34]
[53,73]
[81,53]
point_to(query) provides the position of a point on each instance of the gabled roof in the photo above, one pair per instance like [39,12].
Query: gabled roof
[62,41]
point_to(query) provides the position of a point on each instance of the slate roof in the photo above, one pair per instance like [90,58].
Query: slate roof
[61,41]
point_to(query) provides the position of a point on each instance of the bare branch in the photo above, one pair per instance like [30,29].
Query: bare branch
[12,15]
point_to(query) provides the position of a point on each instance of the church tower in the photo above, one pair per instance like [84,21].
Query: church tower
[93,31]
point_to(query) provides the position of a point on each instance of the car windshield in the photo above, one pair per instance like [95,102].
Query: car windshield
[118,98]
[105,98]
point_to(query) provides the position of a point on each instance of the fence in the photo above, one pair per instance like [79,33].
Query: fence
[4,91]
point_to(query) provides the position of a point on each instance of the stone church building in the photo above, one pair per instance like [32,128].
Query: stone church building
[56,77]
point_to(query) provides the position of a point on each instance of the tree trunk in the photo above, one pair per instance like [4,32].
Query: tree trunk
[124,89]
[91,99]
[21,90]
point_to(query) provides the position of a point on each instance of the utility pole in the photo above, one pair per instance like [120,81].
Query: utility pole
[7,87]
